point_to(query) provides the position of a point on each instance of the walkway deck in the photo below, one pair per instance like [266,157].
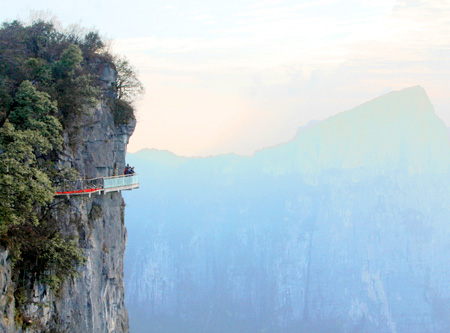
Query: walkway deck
[99,185]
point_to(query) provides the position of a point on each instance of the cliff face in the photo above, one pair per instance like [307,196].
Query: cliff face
[6,290]
[94,301]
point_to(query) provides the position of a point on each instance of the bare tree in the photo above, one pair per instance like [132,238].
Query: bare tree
[128,84]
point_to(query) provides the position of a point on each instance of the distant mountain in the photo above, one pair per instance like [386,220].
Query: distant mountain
[344,228]
[310,123]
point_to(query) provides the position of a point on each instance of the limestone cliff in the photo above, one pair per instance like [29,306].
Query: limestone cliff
[94,301]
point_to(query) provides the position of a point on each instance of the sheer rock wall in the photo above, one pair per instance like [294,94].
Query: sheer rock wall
[94,301]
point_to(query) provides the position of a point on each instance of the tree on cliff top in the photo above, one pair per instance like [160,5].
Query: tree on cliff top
[67,66]
[128,84]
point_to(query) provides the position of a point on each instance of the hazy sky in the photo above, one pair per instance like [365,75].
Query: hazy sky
[235,76]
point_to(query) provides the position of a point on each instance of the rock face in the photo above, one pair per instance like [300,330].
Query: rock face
[344,229]
[7,291]
[94,301]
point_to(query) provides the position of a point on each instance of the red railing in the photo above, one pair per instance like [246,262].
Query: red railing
[81,186]
[89,190]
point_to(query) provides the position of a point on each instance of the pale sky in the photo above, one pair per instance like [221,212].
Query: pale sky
[237,76]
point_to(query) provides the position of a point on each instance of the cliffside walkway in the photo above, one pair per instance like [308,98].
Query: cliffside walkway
[99,185]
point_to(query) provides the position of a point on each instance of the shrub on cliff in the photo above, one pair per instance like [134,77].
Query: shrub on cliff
[27,139]
[30,133]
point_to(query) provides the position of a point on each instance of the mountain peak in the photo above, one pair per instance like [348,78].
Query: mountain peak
[396,131]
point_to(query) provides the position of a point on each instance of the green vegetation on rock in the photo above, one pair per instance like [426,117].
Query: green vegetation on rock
[48,80]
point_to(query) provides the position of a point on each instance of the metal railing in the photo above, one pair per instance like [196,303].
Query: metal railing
[98,185]
[124,182]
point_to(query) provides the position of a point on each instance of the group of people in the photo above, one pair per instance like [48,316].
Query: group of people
[128,170]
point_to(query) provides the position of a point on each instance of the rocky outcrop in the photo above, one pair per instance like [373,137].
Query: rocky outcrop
[94,301]
[6,290]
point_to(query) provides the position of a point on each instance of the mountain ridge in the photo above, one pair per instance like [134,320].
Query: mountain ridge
[357,136]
